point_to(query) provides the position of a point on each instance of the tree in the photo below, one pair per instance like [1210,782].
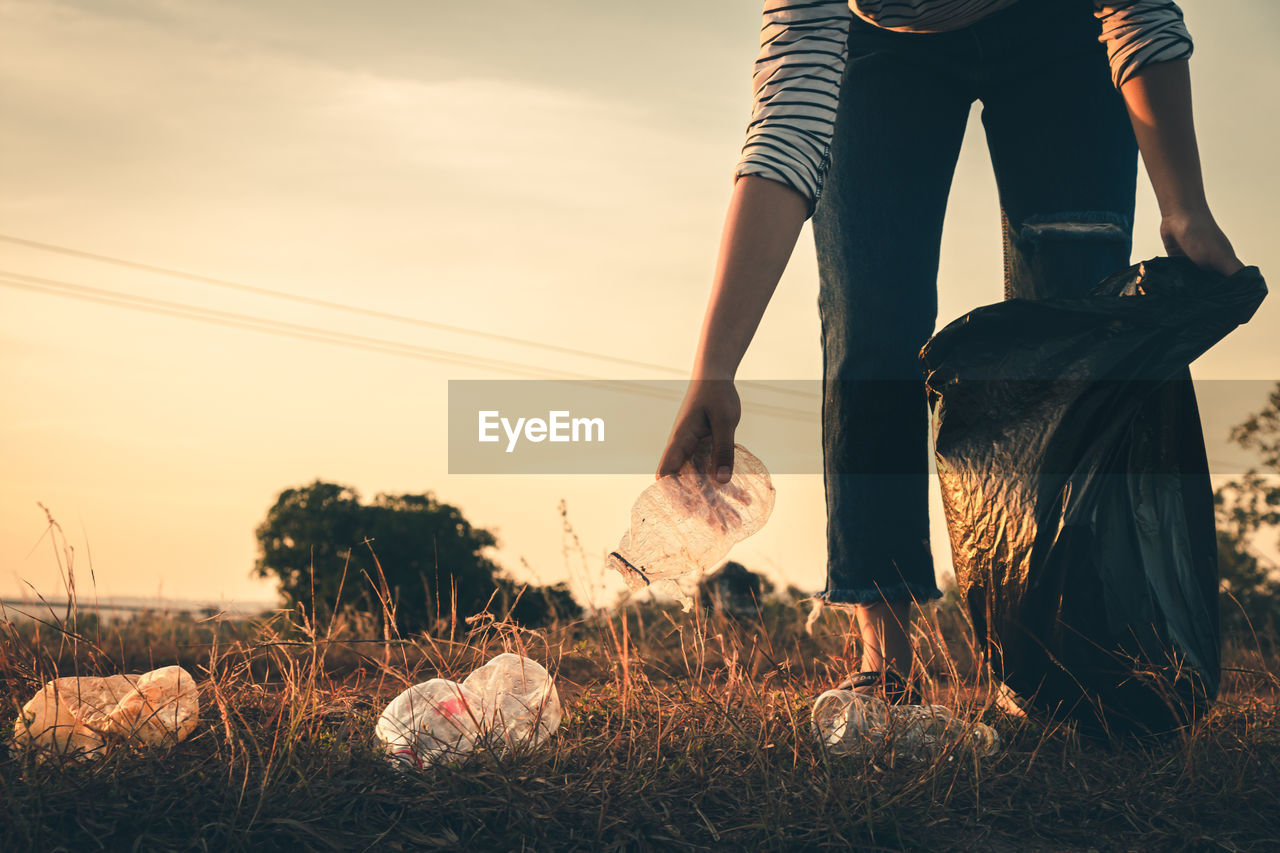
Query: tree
[734,590]
[320,537]
[1246,507]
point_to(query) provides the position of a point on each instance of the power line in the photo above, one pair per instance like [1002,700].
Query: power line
[337,306]
[321,335]
[370,312]
[262,324]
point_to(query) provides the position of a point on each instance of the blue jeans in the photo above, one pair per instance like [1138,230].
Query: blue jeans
[1065,163]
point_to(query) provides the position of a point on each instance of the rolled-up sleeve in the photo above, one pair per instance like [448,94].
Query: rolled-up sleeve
[796,81]
[1140,32]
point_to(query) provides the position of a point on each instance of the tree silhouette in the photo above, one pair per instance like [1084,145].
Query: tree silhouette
[1246,507]
[421,553]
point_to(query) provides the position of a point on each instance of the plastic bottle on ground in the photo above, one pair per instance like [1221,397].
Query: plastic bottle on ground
[519,700]
[687,522]
[434,719]
[81,716]
[850,723]
[509,701]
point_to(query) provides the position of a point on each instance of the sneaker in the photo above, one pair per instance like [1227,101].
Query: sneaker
[887,683]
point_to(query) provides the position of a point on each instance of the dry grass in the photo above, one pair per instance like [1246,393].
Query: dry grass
[681,732]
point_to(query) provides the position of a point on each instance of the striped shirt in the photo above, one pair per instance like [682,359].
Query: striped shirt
[803,48]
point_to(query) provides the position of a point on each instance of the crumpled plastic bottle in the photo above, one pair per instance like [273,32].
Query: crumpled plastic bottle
[81,716]
[687,522]
[511,700]
[431,720]
[850,723]
[519,702]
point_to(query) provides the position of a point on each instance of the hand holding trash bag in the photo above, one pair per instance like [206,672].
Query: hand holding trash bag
[1077,492]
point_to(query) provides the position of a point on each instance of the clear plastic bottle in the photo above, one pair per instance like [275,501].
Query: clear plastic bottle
[429,721]
[687,522]
[929,729]
[510,700]
[81,716]
[850,723]
[519,701]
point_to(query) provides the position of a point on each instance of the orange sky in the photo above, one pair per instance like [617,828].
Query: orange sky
[518,168]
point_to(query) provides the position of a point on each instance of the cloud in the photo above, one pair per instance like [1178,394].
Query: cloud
[110,101]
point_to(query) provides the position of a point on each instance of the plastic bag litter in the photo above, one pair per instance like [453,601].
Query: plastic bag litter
[82,716]
[509,701]
[850,723]
[687,522]
[1077,494]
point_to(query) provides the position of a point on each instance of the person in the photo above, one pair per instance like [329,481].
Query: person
[859,111]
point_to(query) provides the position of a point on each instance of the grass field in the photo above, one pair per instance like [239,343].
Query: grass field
[681,732]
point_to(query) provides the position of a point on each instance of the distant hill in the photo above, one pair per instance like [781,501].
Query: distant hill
[119,607]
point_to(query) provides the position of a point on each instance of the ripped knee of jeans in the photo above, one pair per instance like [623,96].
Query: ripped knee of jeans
[1065,253]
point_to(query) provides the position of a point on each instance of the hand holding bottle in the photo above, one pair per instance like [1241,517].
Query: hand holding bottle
[711,409]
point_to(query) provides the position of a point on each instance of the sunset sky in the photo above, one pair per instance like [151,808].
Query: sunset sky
[556,172]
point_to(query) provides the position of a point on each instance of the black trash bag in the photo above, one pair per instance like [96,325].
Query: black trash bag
[1077,492]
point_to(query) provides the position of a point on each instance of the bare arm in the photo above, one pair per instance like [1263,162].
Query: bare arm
[760,232]
[1159,101]
[803,49]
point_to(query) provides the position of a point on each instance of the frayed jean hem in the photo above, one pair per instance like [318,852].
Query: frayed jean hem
[898,592]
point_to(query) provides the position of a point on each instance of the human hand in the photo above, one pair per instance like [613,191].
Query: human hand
[1197,236]
[710,407]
